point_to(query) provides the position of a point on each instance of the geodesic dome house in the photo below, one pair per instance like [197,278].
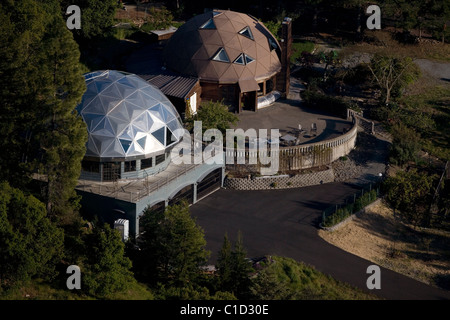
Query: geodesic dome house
[233,54]
[131,126]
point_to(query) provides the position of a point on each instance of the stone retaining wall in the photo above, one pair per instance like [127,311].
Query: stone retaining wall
[280,182]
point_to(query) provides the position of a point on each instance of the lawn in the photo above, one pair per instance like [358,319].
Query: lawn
[299,46]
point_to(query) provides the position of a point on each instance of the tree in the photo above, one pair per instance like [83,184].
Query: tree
[30,245]
[234,268]
[409,193]
[41,85]
[213,115]
[405,144]
[225,265]
[392,74]
[97,16]
[241,269]
[267,286]
[172,246]
[106,268]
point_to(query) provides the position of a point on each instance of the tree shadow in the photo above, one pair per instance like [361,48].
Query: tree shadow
[442,280]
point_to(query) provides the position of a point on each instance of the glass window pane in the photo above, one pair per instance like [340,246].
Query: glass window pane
[221,56]
[248,59]
[246,32]
[208,25]
[240,60]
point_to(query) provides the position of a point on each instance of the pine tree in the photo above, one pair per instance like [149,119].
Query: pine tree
[172,247]
[106,269]
[241,269]
[41,84]
[224,266]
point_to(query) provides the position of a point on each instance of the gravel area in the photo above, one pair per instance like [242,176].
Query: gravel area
[365,162]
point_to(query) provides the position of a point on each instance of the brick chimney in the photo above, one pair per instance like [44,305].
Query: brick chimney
[283,78]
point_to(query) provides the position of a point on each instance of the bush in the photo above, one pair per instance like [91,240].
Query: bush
[343,213]
[320,101]
[405,145]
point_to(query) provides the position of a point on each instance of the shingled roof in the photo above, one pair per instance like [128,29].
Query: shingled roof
[224,47]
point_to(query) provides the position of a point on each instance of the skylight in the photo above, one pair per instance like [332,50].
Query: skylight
[248,59]
[208,25]
[273,44]
[246,32]
[221,56]
[240,60]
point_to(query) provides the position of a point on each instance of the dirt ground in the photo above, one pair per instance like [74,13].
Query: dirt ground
[376,236]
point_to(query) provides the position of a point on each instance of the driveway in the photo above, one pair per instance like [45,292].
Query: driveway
[285,222]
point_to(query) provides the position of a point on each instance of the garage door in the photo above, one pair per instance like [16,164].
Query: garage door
[186,193]
[210,183]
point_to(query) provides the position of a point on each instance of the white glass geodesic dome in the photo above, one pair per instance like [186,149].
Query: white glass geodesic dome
[126,116]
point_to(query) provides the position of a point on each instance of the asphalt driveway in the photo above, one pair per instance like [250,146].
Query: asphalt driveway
[285,222]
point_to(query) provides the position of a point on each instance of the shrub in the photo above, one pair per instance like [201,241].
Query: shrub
[333,105]
[343,213]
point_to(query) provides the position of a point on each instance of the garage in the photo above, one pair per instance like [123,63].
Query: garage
[210,183]
[187,193]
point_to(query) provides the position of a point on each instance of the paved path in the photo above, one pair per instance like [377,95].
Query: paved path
[285,222]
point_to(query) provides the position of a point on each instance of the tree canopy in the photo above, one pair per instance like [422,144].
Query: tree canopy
[172,246]
[41,84]
[30,245]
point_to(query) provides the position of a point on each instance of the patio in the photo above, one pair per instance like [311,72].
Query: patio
[296,124]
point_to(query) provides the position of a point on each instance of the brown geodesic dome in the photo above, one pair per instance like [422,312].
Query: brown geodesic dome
[224,47]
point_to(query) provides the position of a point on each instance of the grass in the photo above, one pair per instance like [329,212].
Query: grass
[39,290]
[429,110]
[383,42]
[299,46]
[303,282]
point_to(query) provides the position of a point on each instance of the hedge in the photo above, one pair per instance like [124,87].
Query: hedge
[343,213]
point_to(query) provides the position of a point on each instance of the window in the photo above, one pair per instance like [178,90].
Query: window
[146,163]
[90,166]
[125,144]
[130,166]
[240,60]
[243,59]
[170,138]
[208,25]
[248,59]
[159,135]
[273,44]
[159,159]
[246,32]
[141,142]
[221,56]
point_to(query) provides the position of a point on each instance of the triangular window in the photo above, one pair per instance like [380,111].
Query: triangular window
[273,44]
[248,59]
[216,13]
[221,56]
[159,135]
[170,138]
[240,60]
[208,25]
[246,32]
[141,142]
[125,144]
